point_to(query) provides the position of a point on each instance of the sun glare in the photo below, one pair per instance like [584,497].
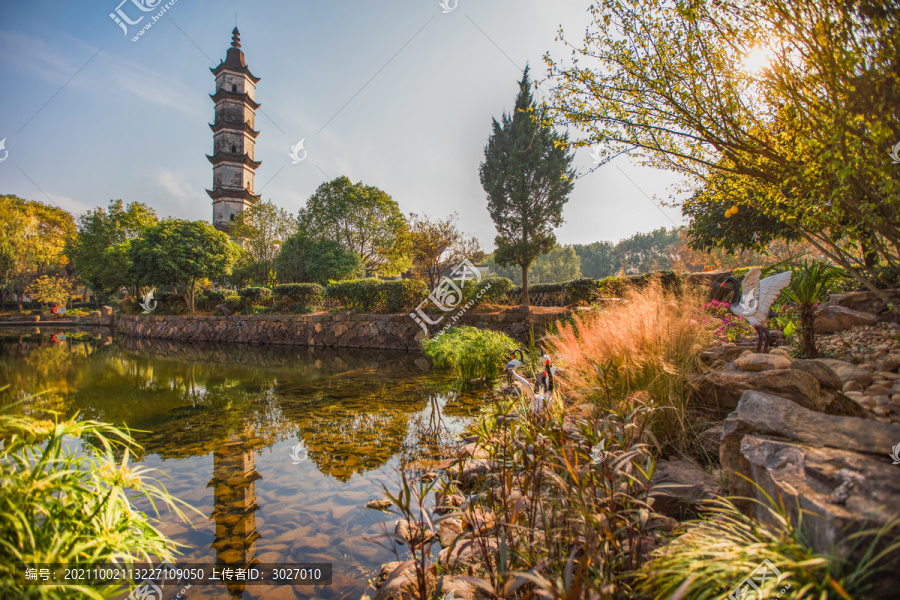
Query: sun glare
[758,59]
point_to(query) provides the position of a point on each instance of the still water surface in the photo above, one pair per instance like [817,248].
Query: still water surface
[223,421]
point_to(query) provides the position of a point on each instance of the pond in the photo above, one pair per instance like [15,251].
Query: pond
[223,423]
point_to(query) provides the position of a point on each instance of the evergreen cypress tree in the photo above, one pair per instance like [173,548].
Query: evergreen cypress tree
[527,176]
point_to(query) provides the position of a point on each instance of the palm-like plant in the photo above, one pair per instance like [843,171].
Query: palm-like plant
[809,284]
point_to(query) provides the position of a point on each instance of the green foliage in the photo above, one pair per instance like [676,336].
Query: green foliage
[303,294]
[255,294]
[374,294]
[304,259]
[669,82]
[403,295]
[527,176]
[262,229]
[598,260]
[182,252]
[59,505]
[438,245]
[582,291]
[217,296]
[810,282]
[726,546]
[470,352]
[360,218]
[362,294]
[100,250]
[748,229]
[255,309]
[492,290]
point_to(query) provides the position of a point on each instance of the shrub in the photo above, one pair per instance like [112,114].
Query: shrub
[470,352]
[732,327]
[403,295]
[62,505]
[363,294]
[499,288]
[612,287]
[256,309]
[583,291]
[302,294]
[255,294]
[217,296]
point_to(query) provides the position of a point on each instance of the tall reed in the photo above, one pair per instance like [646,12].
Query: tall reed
[645,347]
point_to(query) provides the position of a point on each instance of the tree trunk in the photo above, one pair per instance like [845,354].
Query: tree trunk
[189,296]
[525,299]
[807,331]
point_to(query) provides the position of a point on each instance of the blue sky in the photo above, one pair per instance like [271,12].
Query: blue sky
[394,93]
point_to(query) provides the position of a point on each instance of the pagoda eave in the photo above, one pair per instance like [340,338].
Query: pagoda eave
[236,194]
[221,157]
[245,127]
[244,97]
[233,69]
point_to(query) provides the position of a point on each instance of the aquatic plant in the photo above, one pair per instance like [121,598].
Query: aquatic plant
[61,506]
[470,352]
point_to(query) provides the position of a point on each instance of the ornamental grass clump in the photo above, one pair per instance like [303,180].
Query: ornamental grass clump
[725,546]
[646,346]
[469,352]
[62,505]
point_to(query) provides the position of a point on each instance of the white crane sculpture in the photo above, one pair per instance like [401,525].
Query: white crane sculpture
[755,302]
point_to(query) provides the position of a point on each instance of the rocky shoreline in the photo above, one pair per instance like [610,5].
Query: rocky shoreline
[815,434]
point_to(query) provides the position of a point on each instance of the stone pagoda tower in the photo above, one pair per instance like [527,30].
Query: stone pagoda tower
[233,137]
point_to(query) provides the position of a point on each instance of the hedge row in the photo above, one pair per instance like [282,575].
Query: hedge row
[375,294]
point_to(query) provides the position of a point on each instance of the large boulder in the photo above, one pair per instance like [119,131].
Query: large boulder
[835,469]
[680,487]
[720,355]
[722,390]
[824,374]
[762,362]
[847,372]
[866,302]
[832,319]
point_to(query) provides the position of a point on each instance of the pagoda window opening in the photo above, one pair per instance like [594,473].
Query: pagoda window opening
[233,149]
[234,87]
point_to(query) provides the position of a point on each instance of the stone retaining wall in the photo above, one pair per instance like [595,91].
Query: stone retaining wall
[341,330]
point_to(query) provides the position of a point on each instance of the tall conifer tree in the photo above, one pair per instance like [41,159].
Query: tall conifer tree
[527,176]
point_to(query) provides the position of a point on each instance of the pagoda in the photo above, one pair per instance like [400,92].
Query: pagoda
[233,137]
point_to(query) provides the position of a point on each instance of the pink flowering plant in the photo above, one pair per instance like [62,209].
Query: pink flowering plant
[732,327]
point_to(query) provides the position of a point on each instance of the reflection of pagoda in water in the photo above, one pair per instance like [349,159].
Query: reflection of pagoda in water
[234,501]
